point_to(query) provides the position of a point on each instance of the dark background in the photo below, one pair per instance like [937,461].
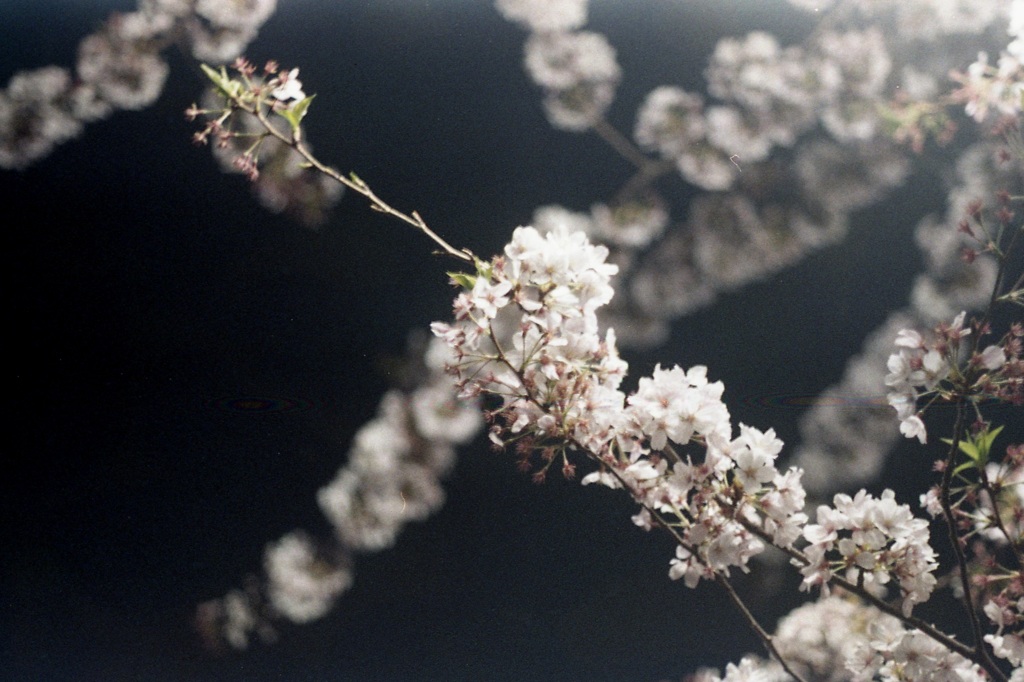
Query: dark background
[145,290]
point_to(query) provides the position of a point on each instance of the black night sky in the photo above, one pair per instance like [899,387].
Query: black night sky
[147,291]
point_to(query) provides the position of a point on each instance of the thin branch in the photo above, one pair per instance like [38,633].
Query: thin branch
[766,638]
[354,183]
[954,538]
[620,143]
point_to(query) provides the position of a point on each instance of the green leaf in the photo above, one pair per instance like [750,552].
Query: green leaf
[463,280]
[964,467]
[226,86]
[296,112]
[984,442]
[358,181]
[977,448]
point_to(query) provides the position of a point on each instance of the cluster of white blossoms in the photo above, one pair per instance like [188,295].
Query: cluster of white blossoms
[38,110]
[918,368]
[526,333]
[872,541]
[119,67]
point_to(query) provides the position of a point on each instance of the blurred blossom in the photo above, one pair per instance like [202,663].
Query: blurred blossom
[948,286]
[736,134]
[545,15]
[918,19]
[300,585]
[560,61]
[123,75]
[818,638]
[35,115]
[217,46]
[239,15]
[169,8]
[553,218]
[439,417]
[577,108]
[668,282]
[118,67]
[771,85]
[730,239]
[844,178]
[669,121]
[578,72]
[631,224]
[853,70]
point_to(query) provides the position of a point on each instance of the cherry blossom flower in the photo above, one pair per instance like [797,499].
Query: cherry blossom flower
[290,87]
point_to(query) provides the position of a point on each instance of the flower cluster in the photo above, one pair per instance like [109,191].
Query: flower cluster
[393,471]
[896,654]
[770,97]
[919,368]
[872,540]
[545,15]
[302,586]
[578,72]
[526,332]
[576,69]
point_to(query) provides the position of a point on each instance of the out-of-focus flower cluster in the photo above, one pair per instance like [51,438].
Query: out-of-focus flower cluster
[119,67]
[576,69]
[392,476]
[770,97]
